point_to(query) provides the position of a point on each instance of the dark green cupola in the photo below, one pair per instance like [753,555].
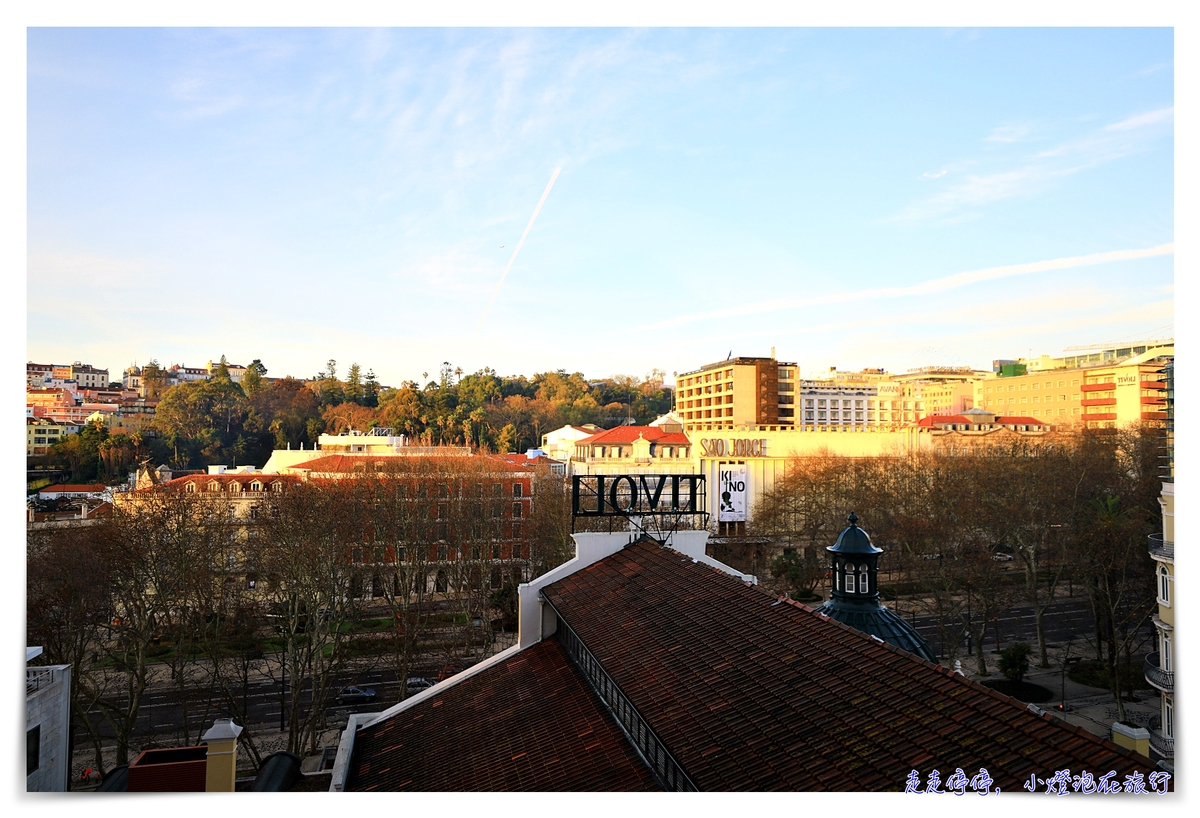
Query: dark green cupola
[854,597]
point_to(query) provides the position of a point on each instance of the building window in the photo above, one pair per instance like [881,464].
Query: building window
[516,510]
[33,749]
[849,584]
[1164,586]
[517,490]
[862,581]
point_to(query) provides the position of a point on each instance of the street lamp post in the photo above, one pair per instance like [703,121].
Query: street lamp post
[1067,662]
[283,698]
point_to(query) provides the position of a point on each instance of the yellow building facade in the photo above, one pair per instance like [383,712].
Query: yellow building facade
[735,392]
[1159,667]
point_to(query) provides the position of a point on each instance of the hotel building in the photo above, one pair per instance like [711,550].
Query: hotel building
[736,392]
[1096,396]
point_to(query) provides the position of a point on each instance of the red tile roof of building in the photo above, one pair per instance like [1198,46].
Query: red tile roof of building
[358,463]
[525,461]
[203,480]
[628,434]
[749,692]
[79,488]
[941,420]
[528,724]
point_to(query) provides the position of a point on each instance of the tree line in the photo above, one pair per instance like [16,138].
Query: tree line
[1074,511]
[212,421]
[416,564]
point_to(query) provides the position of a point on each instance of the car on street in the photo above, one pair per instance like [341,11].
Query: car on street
[354,694]
[416,684]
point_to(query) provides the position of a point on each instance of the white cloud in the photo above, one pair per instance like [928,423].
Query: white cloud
[1041,171]
[1151,69]
[1008,133]
[936,285]
[937,174]
[456,271]
[1142,120]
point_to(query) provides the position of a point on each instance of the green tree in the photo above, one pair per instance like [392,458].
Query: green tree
[800,570]
[253,379]
[353,390]
[201,420]
[154,380]
[330,388]
[507,439]
[370,390]
[81,451]
[1014,661]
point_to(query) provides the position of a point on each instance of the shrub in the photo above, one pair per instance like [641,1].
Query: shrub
[1014,661]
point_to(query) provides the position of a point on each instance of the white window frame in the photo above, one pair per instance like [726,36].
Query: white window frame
[1164,586]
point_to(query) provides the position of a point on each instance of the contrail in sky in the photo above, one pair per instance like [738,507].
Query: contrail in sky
[950,282]
[517,249]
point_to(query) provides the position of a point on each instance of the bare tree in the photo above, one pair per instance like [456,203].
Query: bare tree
[69,600]
[309,569]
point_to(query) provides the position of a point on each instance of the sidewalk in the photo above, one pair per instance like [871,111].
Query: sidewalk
[1092,708]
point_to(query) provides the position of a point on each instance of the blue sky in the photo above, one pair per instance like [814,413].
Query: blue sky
[851,197]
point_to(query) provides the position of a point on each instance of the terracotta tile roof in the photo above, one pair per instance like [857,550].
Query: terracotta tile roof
[202,481]
[528,724]
[94,488]
[753,693]
[628,434]
[938,420]
[358,463]
[527,463]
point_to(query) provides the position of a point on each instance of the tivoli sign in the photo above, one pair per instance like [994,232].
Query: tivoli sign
[613,495]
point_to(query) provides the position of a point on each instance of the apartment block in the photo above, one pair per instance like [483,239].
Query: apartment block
[737,392]
[1095,396]
[85,375]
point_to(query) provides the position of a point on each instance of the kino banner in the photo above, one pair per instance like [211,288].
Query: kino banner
[732,506]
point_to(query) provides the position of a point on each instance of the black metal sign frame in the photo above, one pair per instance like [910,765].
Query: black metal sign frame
[627,495]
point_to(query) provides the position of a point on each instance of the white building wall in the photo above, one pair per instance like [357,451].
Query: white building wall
[50,707]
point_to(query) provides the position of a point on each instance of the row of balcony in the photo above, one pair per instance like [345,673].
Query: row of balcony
[1160,742]
[1160,547]
[39,677]
[1164,680]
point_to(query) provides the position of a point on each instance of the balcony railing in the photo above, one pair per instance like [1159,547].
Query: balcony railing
[1161,743]
[1164,680]
[39,677]
[1160,547]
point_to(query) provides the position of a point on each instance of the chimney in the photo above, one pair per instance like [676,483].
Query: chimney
[221,771]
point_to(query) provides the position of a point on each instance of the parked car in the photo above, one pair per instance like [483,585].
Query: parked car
[446,672]
[1000,556]
[416,684]
[355,695]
